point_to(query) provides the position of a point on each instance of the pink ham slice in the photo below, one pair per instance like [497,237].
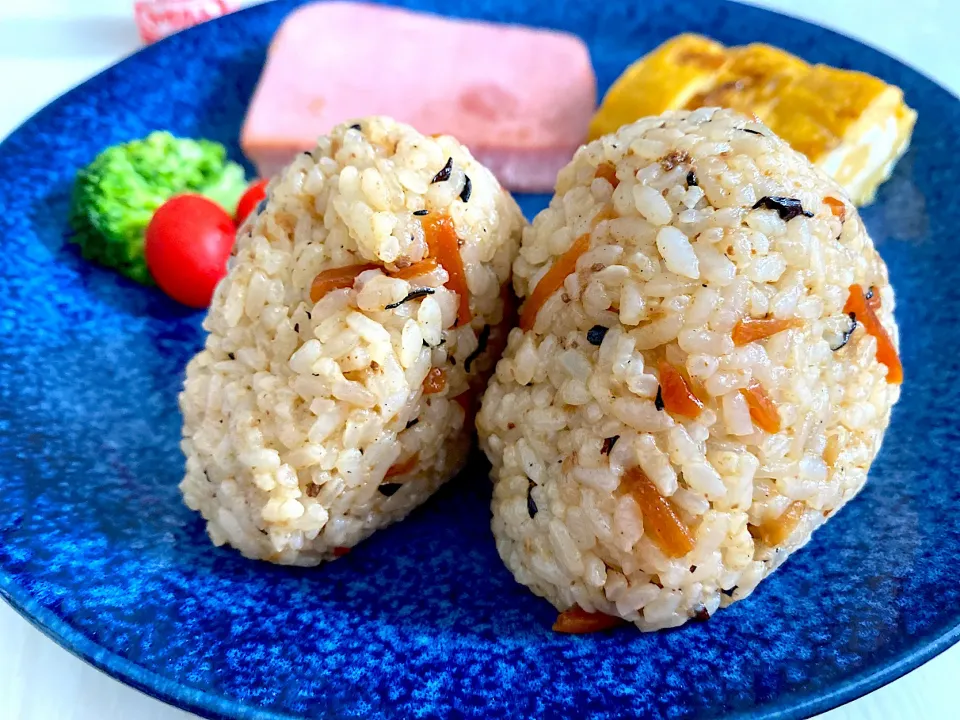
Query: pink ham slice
[520,99]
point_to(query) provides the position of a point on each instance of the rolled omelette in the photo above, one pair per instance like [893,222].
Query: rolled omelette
[852,125]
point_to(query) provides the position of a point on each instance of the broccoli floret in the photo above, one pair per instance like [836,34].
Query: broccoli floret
[115,196]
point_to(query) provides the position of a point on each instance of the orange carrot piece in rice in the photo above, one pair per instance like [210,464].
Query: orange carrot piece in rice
[406,466]
[609,173]
[676,394]
[774,532]
[865,312]
[750,329]
[837,207]
[660,519]
[435,381]
[607,212]
[553,281]
[336,279]
[444,245]
[416,270]
[577,621]
[763,410]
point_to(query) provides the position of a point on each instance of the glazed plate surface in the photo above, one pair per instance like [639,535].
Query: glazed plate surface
[97,550]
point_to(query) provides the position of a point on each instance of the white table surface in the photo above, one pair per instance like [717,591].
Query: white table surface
[47,46]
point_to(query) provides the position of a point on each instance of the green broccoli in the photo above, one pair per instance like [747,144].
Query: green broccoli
[115,196]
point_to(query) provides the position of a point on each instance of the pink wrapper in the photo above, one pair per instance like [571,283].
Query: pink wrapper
[158,18]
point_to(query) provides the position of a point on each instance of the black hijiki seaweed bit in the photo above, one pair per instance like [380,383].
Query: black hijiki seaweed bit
[481,347]
[692,179]
[596,334]
[659,401]
[411,423]
[421,213]
[413,295]
[787,208]
[845,338]
[444,173]
[467,188]
[356,126]
[531,504]
[389,489]
[608,444]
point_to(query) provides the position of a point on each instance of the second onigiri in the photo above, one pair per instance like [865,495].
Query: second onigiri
[704,370]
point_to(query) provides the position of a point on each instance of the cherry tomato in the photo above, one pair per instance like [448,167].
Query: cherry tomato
[251,198]
[188,242]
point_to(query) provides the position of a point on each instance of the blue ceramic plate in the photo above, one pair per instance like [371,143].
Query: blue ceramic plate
[423,620]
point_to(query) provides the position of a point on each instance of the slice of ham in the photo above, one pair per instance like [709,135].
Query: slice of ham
[520,99]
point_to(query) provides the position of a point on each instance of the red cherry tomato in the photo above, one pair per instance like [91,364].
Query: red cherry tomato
[251,198]
[188,242]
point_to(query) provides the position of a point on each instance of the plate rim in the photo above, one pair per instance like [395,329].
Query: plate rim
[208,704]
[218,707]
